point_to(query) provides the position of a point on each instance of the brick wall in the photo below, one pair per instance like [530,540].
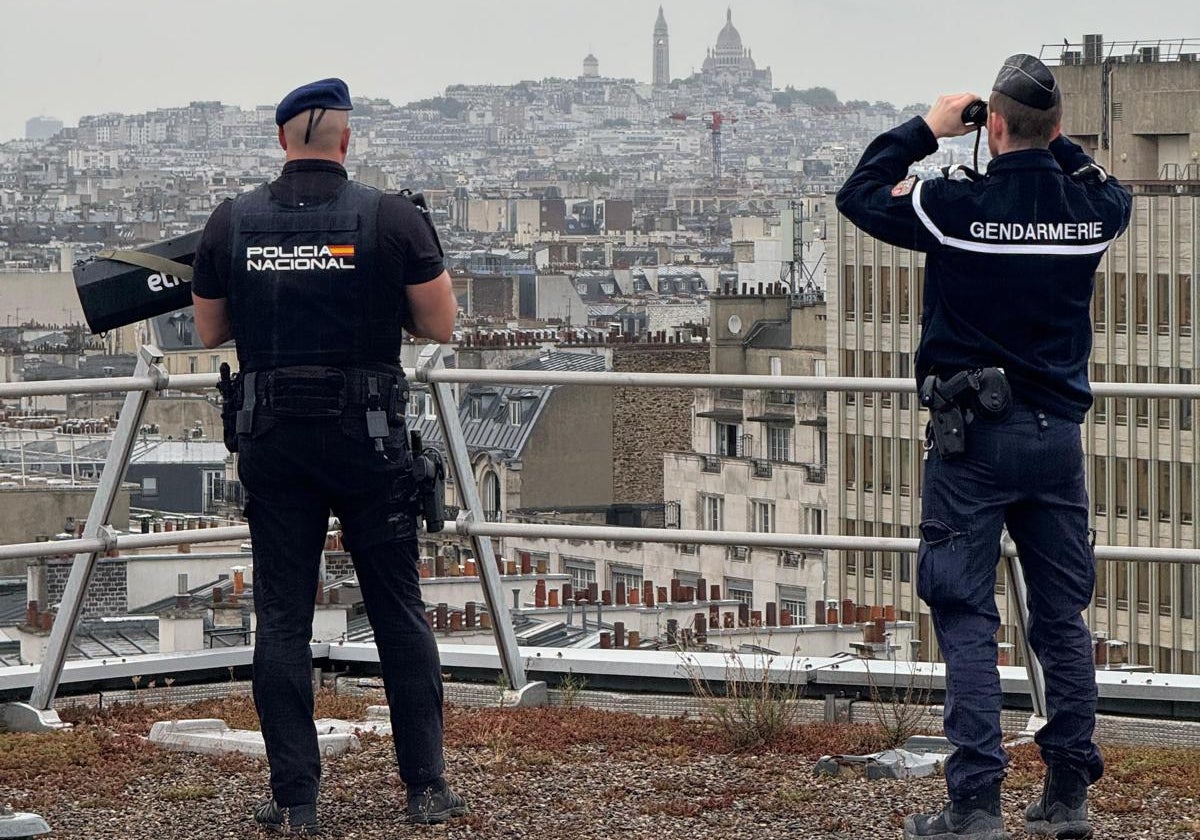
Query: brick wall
[650,421]
[107,593]
[338,565]
[492,297]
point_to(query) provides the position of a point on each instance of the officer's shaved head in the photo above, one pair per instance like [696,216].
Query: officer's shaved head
[325,136]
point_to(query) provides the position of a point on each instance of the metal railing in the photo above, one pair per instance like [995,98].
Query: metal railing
[472,521]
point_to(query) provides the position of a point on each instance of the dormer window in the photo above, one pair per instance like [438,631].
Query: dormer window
[515,412]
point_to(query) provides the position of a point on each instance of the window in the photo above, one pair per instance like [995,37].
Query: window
[149,486]
[794,600]
[868,464]
[1121,485]
[713,512]
[1162,406]
[1187,591]
[1185,494]
[848,463]
[582,572]
[814,520]
[776,366]
[779,443]
[474,407]
[1120,293]
[515,412]
[430,414]
[762,517]
[214,363]
[1185,406]
[1183,304]
[848,369]
[728,435]
[885,292]
[902,292]
[848,292]
[1166,571]
[868,370]
[1162,303]
[1098,299]
[490,491]
[1143,587]
[1122,584]
[740,590]
[628,575]
[415,401]
[1120,404]
[1141,291]
[1141,406]
[1100,486]
[885,465]
[885,370]
[212,488]
[1142,474]
[1163,471]
[193,364]
[868,292]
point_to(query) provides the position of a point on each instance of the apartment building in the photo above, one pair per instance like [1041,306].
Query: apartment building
[1131,109]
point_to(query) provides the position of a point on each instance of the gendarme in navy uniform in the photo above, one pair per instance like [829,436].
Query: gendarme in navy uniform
[1002,365]
[315,277]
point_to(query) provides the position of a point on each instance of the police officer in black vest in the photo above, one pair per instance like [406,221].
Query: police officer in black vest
[1002,366]
[314,277]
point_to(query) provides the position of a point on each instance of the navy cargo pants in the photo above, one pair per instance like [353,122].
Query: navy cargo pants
[1025,472]
[295,471]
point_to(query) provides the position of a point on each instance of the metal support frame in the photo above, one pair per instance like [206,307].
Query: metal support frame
[149,376]
[71,607]
[1037,677]
[522,692]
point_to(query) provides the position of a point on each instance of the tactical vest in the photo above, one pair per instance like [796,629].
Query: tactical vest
[307,284]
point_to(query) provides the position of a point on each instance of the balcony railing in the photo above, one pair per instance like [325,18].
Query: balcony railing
[816,473]
[98,537]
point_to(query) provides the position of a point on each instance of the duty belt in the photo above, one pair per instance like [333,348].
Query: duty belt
[954,401]
[314,391]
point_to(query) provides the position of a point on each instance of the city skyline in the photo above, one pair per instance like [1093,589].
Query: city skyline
[804,47]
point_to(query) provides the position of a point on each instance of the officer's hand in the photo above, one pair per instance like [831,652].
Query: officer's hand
[945,117]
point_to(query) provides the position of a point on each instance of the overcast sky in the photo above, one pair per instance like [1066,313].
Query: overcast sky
[65,58]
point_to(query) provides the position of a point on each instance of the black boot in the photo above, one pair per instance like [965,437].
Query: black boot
[435,803]
[975,818]
[1062,811]
[298,820]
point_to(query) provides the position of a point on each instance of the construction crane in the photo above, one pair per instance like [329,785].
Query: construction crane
[713,120]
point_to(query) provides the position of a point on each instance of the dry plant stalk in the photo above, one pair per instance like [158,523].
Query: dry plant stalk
[753,710]
[902,713]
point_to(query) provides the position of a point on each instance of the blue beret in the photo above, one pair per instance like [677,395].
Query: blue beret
[331,94]
[1028,81]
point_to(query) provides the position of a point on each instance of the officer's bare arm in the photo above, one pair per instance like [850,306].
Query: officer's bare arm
[432,309]
[212,320]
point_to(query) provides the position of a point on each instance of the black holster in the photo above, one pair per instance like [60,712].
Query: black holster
[953,403]
[230,388]
[429,474]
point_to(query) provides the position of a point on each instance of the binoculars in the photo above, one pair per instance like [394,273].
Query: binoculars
[975,114]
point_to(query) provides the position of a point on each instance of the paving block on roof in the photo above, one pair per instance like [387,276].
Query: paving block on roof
[212,736]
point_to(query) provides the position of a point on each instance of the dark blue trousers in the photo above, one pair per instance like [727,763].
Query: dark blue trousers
[1026,473]
[295,472]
